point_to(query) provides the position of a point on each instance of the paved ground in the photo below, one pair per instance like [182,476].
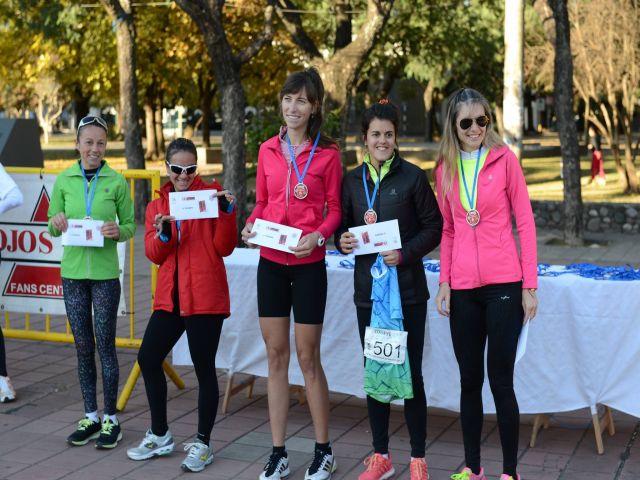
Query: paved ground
[33,429]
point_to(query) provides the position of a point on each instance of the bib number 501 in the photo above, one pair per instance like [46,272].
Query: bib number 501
[387,346]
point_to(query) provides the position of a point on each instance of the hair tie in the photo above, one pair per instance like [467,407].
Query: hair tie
[383,101]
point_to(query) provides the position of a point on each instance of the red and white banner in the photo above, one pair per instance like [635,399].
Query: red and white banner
[30,267]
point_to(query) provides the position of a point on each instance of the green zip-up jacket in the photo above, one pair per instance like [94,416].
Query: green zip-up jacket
[112,202]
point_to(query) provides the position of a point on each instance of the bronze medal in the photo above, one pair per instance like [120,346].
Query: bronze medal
[473,217]
[300,191]
[370,216]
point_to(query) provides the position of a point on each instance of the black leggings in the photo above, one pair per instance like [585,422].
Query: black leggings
[3,356]
[163,331]
[79,295]
[493,313]
[415,409]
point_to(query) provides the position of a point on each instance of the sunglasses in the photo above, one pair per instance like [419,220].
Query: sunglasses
[482,121]
[179,169]
[91,121]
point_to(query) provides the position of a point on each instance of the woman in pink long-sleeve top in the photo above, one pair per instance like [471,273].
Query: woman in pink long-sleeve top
[298,179]
[487,288]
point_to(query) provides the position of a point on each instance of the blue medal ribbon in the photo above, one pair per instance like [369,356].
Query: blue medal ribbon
[88,198]
[471,198]
[366,187]
[293,158]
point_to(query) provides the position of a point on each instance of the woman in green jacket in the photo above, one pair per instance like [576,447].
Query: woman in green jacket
[91,190]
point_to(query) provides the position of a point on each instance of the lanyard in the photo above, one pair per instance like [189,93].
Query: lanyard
[293,158]
[366,187]
[471,198]
[88,198]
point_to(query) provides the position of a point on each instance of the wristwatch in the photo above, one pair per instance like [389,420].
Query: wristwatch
[320,239]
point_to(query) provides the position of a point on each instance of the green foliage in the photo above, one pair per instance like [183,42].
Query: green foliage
[262,126]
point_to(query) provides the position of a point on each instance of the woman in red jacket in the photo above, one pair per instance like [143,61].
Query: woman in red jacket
[191,295]
[486,288]
[299,175]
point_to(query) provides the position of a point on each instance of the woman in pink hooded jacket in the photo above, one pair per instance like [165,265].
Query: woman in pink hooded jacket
[487,288]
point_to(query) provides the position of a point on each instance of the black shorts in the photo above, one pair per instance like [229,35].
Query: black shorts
[303,287]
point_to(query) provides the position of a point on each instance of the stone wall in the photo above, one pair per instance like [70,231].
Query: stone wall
[598,217]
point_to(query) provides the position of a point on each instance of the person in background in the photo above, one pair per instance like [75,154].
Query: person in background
[10,197]
[387,187]
[91,189]
[299,175]
[191,295]
[487,289]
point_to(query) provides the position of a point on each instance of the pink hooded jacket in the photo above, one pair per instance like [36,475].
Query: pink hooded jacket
[487,254]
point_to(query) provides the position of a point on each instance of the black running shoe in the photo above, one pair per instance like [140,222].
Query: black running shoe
[87,430]
[276,468]
[110,435]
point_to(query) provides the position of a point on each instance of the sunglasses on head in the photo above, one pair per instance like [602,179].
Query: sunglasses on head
[179,169]
[91,121]
[482,121]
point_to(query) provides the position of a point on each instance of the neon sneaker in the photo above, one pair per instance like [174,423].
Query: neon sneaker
[110,435]
[467,474]
[7,392]
[378,468]
[87,430]
[152,446]
[418,469]
[277,467]
[504,476]
[322,466]
[199,456]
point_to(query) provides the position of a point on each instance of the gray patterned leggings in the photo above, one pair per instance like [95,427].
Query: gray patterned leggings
[78,297]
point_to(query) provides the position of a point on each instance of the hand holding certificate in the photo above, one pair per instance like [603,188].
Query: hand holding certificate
[193,204]
[377,237]
[83,233]
[274,235]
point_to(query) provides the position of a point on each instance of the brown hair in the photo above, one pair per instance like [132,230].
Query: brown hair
[309,80]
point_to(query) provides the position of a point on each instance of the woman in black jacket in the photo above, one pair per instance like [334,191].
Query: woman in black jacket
[386,187]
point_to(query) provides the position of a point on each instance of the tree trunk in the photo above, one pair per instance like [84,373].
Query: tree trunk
[122,18]
[499,120]
[80,106]
[427,98]
[343,24]
[563,86]
[226,68]
[151,152]
[513,102]
[630,169]
[206,96]
[157,115]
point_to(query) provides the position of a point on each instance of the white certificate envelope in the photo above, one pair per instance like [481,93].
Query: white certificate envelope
[83,233]
[377,237]
[193,204]
[274,235]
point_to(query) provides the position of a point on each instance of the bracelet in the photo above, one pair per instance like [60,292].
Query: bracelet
[532,291]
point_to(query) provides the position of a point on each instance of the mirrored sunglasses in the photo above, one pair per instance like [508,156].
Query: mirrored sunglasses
[482,121]
[179,169]
[90,120]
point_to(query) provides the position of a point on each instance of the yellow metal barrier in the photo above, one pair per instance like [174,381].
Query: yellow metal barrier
[28,333]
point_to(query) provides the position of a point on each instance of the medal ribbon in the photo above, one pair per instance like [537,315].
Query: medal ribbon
[293,158]
[366,187]
[471,198]
[88,198]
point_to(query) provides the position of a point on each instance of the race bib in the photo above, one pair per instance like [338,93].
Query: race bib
[387,346]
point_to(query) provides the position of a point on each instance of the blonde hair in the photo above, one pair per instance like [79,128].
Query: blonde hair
[449,150]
